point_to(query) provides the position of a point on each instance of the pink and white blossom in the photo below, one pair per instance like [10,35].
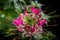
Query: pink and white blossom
[30,23]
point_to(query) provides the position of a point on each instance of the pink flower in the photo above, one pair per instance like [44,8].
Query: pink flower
[41,22]
[30,24]
[20,16]
[28,34]
[17,22]
[35,10]
[27,27]
[19,29]
[32,29]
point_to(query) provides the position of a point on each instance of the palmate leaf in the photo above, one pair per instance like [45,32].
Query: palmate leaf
[51,12]
[9,32]
[49,36]
[7,4]
[39,36]
[32,3]
[16,5]
[48,17]
[54,16]
[36,4]
[6,19]
[44,16]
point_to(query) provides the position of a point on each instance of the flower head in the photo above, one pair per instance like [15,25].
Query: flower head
[30,23]
[35,10]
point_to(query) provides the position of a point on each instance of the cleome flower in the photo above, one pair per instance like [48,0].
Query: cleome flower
[30,24]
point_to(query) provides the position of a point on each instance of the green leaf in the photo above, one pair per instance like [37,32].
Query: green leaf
[45,16]
[7,4]
[49,36]
[32,3]
[51,12]
[38,4]
[39,36]
[54,16]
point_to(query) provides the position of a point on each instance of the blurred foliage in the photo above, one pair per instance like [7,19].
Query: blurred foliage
[49,36]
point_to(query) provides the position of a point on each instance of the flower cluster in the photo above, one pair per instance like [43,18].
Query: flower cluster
[30,24]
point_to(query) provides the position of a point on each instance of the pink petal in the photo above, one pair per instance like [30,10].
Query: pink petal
[20,16]
[27,27]
[32,9]
[17,22]
[35,10]
[32,29]
[41,22]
